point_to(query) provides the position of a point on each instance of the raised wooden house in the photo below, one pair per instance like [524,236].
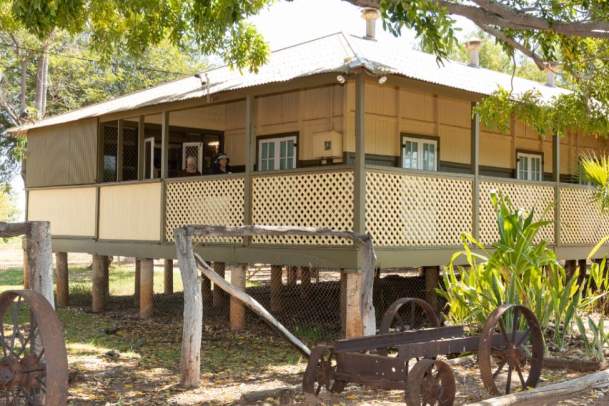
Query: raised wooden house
[340,131]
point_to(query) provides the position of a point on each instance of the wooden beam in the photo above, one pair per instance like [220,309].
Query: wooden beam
[276,288]
[98,288]
[136,280]
[432,277]
[305,281]
[250,148]
[292,275]
[62,279]
[164,144]
[354,325]
[26,270]
[237,310]
[556,174]
[359,171]
[206,292]
[141,150]
[146,288]
[475,162]
[168,277]
[120,147]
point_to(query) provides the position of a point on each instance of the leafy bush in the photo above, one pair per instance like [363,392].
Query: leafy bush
[521,269]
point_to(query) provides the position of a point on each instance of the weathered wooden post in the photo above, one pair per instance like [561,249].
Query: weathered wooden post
[206,291]
[432,277]
[582,264]
[276,287]
[219,298]
[237,310]
[292,275]
[40,259]
[107,278]
[98,288]
[62,279]
[570,265]
[136,288]
[168,277]
[146,288]
[190,361]
[354,326]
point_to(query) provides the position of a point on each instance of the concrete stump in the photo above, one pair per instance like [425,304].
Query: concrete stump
[146,288]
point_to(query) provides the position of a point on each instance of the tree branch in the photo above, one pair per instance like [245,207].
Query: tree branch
[516,45]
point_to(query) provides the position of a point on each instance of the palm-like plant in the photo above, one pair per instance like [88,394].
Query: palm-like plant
[596,170]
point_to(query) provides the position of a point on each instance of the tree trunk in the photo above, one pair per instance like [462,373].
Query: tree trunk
[42,80]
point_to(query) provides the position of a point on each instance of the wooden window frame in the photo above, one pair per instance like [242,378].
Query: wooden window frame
[262,138]
[530,153]
[419,138]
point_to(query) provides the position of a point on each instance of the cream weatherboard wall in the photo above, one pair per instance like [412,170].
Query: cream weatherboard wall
[71,211]
[130,212]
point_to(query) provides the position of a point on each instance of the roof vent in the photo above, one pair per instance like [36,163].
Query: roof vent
[473,47]
[370,15]
[551,69]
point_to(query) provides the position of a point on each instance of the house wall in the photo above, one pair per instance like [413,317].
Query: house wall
[62,155]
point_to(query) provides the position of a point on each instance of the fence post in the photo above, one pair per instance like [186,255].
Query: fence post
[190,362]
[40,259]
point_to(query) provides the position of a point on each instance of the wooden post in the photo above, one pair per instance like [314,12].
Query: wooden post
[276,287]
[354,326]
[107,278]
[292,275]
[98,290]
[432,276]
[168,277]
[305,281]
[26,270]
[40,259]
[192,330]
[62,279]
[570,265]
[136,288]
[343,303]
[237,310]
[582,264]
[146,288]
[219,298]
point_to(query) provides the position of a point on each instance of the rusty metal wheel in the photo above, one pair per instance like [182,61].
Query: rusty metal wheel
[511,341]
[405,314]
[33,358]
[320,372]
[431,382]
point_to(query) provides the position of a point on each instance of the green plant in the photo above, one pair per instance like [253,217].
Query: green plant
[521,269]
[595,345]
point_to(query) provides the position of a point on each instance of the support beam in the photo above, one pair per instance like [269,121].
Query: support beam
[570,265]
[206,292]
[136,287]
[475,162]
[276,288]
[120,144]
[141,150]
[98,290]
[582,264]
[219,298]
[556,174]
[168,277]
[62,279]
[359,171]
[432,277]
[250,159]
[164,144]
[107,278]
[343,303]
[351,286]
[237,309]
[146,288]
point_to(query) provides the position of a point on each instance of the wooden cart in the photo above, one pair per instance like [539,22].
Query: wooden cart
[510,355]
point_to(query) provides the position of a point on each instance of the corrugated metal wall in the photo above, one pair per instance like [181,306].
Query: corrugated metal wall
[62,155]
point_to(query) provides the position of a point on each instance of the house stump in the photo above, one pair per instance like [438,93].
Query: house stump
[219,297]
[98,290]
[168,277]
[62,279]
[351,304]
[432,277]
[146,288]
[276,287]
[237,309]
[136,287]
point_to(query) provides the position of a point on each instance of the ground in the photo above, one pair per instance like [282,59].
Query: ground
[117,359]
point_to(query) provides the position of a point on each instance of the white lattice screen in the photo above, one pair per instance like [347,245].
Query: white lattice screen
[317,199]
[213,201]
[527,196]
[404,209]
[581,221]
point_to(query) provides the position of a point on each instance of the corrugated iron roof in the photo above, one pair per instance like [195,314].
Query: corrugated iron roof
[332,53]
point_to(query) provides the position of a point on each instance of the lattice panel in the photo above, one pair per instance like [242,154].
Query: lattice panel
[527,196]
[323,199]
[416,210]
[581,221]
[213,202]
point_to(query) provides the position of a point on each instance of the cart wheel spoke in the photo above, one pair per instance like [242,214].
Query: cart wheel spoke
[521,377]
[515,324]
[524,337]
[503,333]
[498,371]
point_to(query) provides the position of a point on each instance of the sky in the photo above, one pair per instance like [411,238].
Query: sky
[287,23]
